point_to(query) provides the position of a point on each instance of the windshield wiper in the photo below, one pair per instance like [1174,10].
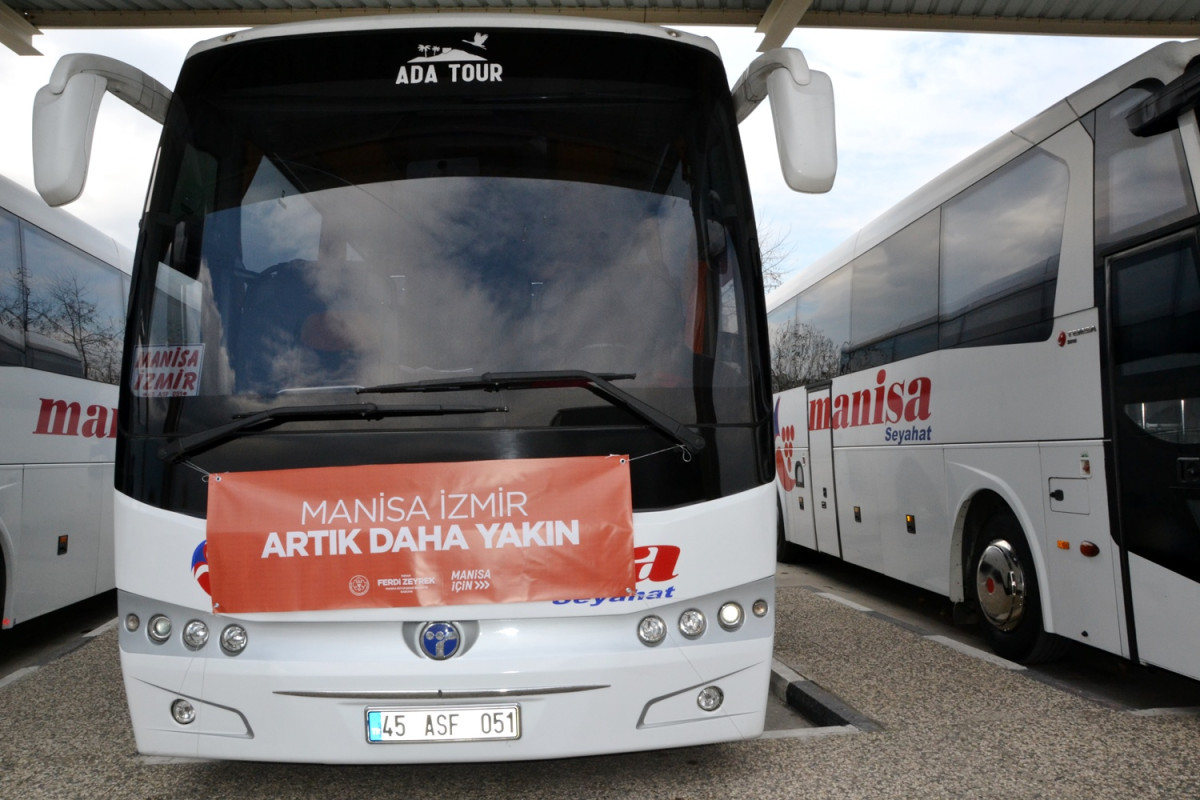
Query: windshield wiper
[599,384]
[189,445]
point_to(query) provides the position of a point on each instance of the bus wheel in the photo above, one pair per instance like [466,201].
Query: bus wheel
[1009,600]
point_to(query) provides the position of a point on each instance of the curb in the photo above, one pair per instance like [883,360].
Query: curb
[821,707]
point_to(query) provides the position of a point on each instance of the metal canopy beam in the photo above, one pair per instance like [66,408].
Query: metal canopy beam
[983,23]
[16,33]
[779,20]
[776,21]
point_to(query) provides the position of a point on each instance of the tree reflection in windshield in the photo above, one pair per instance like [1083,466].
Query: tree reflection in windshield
[424,278]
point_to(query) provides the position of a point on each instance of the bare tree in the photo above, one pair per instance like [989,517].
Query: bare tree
[774,250]
[14,297]
[801,354]
[64,313]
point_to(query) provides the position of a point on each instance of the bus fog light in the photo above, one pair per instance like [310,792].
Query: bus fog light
[710,698]
[234,639]
[159,628]
[759,608]
[651,630]
[692,623]
[183,712]
[132,623]
[731,616]
[195,634]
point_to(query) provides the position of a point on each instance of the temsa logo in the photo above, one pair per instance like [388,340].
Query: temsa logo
[899,401]
[67,418]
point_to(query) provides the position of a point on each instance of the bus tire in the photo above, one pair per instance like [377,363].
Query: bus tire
[1006,587]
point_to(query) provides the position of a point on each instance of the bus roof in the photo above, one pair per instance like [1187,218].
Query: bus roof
[465,20]
[1165,62]
[24,203]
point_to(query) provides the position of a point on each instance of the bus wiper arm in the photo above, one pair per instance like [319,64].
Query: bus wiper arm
[189,445]
[599,384]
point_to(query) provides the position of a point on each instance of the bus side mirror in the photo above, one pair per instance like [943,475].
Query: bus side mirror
[802,108]
[64,118]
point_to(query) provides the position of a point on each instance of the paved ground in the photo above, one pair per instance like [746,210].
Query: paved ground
[948,726]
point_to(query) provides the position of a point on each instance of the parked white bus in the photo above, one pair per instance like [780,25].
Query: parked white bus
[63,288]
[446,426]
[993,390]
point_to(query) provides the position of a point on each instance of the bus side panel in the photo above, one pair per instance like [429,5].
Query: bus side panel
[857,472]
[55,419]
[1166,610]
[57,501]
[793,468]
[58,434]
[1082,593]
[878,489]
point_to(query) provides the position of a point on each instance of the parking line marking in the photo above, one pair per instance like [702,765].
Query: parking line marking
[975,652]
[843,601]
[16,675]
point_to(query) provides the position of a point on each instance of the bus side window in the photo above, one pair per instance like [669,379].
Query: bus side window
[1000,248]
[1141,182]
[12,294]
[76,309]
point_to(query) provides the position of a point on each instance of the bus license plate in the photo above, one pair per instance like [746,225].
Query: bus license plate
[443,724]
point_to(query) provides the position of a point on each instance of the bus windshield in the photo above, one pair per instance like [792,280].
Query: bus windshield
[409,205]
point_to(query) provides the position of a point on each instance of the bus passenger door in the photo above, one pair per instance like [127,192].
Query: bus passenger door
[791,467]
[824,494]
[1154,369]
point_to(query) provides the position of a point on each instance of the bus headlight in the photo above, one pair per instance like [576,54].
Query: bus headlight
[692,623]
[159,628]
[234,639]
[183,712]
[651,630]
[731,616]
[195,634]
[710,698]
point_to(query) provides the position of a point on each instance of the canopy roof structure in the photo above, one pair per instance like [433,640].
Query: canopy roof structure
[20,20]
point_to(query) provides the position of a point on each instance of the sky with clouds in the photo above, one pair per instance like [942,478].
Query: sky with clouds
[908,105]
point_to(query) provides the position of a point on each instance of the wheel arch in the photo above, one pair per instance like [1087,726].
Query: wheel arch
[984,500]
[7,584]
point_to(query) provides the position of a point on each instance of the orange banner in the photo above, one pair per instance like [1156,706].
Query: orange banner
[404,535]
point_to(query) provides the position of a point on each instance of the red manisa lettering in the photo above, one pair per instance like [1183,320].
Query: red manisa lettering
[886,403]
[62,418]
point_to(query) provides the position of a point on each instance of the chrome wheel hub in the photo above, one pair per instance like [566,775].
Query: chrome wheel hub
[1000,585]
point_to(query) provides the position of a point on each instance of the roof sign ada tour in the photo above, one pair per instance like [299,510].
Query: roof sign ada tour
[451,63]
[886,404]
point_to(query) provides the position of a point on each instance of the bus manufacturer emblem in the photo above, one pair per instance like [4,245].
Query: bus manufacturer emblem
[440,640]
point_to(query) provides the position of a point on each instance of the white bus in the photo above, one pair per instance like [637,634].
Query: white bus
[993,390]
[63,288]
[446,427]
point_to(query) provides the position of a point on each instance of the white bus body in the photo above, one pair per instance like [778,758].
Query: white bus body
[63,287]
[546,226]
[989,392]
